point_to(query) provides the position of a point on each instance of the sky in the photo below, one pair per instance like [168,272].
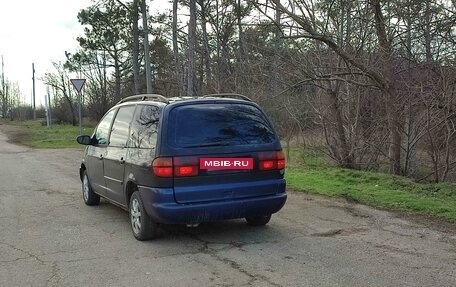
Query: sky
[40,32]
[37,32]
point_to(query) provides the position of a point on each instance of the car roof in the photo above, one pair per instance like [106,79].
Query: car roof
[161,100]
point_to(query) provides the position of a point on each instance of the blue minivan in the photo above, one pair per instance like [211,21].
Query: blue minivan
[185,161]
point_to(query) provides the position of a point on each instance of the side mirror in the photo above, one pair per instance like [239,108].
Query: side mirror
[85,140]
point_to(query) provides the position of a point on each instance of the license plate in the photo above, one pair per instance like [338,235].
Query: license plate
[215,163]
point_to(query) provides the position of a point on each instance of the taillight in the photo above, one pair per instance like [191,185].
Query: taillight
[177,166]
[267,164]
[272,160]
[185,170]
[163,166]
[186,166]
[280,160]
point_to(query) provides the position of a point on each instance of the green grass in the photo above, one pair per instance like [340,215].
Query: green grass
[56,136]
[311,157]
[376,189]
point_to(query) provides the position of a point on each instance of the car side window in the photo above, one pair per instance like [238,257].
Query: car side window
[144,128]
[102,131]
[121,126]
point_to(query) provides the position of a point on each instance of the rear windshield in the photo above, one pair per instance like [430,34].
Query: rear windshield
[218,125]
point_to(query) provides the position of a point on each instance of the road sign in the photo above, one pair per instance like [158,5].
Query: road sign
[78,84]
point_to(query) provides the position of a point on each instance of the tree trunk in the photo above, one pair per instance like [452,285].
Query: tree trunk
[277,46]
[117,80]
[411,154]
[117,77]
[394,109]
[217,33]
[147,63]
[205,46]
[427,32]
[176,50]
[135,48]
[348,30]
[241,53]
[394,152]
[104,94]
[346,159]
[191,49]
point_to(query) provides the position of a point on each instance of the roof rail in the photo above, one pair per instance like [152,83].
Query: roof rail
[144,97]
[228,95]
[175,99]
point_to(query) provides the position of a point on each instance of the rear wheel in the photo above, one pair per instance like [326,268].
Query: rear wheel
[90,197]
[141,224]
[258,220]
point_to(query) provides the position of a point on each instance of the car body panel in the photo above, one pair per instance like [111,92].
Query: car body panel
[227,189]
[94,165]
[114,172]
[160,205]
[213,185]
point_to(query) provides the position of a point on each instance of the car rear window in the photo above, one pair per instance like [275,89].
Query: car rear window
[206,125]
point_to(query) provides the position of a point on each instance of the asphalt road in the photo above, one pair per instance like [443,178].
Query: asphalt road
[48,237]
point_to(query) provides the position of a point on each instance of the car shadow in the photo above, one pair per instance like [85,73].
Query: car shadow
[235,232]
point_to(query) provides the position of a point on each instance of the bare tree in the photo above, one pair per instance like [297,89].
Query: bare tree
[4,92]
[60,81]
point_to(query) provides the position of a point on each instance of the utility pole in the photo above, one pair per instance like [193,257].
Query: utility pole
[11,104]
[48,105]
[33,102]
[4,90]
[3,75]
[80,103]
[146,47]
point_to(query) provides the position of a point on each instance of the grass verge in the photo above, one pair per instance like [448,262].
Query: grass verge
[36,135]
[376,189]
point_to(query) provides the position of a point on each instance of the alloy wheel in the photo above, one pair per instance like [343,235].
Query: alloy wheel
[135,216]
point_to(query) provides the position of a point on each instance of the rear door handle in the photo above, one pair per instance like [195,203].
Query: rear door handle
[100,157]
[122,161]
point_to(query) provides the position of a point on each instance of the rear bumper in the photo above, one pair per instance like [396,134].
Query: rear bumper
[161,206]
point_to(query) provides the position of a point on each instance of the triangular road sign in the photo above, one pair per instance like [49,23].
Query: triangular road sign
[78,84]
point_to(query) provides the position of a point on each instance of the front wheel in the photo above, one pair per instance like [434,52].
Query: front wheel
[141,224]
[90,197]
[258,220]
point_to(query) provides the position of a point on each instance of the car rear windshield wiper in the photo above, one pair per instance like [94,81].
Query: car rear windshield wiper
[208,145]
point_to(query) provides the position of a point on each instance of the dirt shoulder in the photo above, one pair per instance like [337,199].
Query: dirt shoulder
[431,222]
[13,131]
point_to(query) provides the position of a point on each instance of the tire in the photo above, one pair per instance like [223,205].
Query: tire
[142,226]
[258,220]
[90,197]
